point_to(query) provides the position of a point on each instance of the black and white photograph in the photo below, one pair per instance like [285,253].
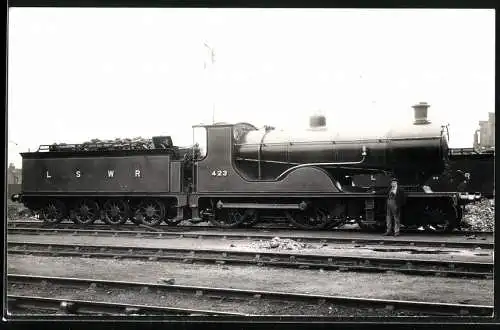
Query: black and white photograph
[246,163]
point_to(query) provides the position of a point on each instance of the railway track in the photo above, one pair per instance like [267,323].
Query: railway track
[132,226]
[420,267]
[67,224]
[198,292]
[251,234]
[78,306]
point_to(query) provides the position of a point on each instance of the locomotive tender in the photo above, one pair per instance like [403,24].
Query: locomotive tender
[246,175]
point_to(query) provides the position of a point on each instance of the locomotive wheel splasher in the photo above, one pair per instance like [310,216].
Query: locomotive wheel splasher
[311,218]
[231,217]
[251,218]
[228,218]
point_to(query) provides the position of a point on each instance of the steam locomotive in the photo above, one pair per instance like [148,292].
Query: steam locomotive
[245,175]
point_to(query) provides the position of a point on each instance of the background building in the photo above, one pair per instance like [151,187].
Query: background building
[14,179]
[13,175]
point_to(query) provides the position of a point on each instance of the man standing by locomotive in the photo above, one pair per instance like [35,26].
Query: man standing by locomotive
[395,201]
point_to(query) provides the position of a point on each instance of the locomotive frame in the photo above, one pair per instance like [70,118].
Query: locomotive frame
[140,196]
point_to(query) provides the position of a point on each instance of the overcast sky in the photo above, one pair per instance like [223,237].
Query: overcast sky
[78,74]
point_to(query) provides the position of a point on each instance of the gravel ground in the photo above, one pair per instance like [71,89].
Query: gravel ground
[413,253]
[480,215]
[382,286]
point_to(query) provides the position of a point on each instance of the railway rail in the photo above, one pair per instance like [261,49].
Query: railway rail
[77,306]
[249,234]
[132,226]
[431,308]
[66,224]
[420,267]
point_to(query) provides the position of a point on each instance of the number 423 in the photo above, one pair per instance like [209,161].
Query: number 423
[219,173]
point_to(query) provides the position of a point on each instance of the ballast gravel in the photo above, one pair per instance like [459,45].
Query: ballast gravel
[251,306]
[262,246]
[382,286]
[480,216]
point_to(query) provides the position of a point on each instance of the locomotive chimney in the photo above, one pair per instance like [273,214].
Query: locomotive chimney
[420,113]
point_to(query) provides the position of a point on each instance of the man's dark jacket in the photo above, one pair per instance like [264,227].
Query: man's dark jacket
[400,196]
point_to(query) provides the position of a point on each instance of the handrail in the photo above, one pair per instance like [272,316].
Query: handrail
[265,161]
[259,154]
[376,140]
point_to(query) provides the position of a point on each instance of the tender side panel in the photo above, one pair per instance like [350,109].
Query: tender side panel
[104,174]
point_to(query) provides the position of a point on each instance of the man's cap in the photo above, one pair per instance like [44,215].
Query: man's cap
[394,179]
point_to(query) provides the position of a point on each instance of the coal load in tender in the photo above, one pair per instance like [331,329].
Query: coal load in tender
[480,216]
[126,143]
[137,143]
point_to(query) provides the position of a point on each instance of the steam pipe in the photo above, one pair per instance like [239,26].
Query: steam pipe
[363,169]
[266,161]
[363,153]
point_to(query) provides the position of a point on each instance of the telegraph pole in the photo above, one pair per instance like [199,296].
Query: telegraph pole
[17,145]
[212,62]
[12,162]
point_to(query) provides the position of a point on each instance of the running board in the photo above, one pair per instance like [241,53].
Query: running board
[301,206]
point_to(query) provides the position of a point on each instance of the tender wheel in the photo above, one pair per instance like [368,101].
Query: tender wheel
[115,212]
[228,218]
[85,212]
[251,217]
[150,212]
[312,218]
[53,212]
